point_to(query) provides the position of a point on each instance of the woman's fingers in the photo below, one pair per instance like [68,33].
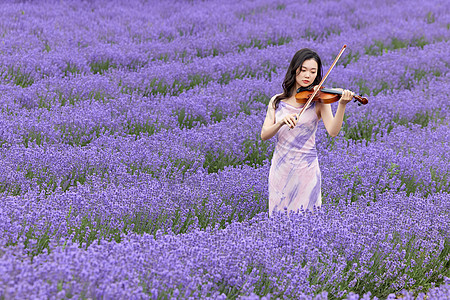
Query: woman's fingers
[350,94]
[291,120]
[347,95]
[289,123]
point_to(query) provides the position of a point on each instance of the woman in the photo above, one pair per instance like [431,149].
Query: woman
[294,176]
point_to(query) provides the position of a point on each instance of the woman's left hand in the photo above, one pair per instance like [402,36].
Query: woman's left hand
[346,97]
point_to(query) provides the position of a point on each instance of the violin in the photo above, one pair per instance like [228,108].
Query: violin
[327,96]
[324,96]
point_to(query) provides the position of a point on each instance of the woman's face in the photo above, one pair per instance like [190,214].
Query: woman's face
[307,73]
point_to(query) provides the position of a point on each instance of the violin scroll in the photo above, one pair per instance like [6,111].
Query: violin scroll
[360,99]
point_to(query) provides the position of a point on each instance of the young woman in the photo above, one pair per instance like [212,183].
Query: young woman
[294,176]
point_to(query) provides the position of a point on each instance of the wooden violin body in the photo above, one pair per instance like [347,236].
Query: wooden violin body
[325,96]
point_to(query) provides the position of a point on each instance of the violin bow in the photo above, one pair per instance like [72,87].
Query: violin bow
[321,82]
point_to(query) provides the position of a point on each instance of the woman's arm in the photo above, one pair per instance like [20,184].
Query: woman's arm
[270,127]
[333,124]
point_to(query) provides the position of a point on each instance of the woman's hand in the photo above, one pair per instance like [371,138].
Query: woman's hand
[346,97]
[290,120]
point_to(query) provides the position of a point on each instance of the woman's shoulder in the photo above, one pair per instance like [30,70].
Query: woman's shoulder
[276,95]
[273,99]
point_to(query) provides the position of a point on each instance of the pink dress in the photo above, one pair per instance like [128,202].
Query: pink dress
[294,176]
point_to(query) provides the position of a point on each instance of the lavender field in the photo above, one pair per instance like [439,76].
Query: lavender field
[132,165]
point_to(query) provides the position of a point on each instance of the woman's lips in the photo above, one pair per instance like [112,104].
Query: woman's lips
[305,81]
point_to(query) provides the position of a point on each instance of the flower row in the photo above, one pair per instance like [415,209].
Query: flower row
[395,244]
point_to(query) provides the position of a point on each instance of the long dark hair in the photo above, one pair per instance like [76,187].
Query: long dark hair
[289,80]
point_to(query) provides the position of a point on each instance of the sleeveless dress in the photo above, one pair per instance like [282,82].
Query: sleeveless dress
[294,176]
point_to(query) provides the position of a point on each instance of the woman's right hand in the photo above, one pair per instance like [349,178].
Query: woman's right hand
[290,120]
